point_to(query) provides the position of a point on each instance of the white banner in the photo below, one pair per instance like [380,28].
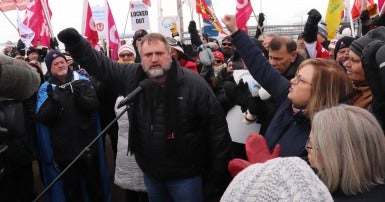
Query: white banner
[164,24]
[139,16]
[99,15]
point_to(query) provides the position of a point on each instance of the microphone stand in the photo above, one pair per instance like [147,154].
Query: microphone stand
[82,152]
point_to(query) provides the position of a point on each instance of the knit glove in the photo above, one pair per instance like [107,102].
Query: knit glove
[69,36]
[206,56]
[192,26]
[261,19]
[257,151]
[238,94]
[364,16]
[54,95]
[311,26]
[20,47]
[372,68]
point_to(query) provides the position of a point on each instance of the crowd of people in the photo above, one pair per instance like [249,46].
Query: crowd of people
[319,105]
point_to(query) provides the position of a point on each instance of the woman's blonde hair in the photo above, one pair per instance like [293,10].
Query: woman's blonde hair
[349,146]
[330,85]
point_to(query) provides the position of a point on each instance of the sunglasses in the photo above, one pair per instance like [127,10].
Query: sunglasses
[227,44]
[125,55]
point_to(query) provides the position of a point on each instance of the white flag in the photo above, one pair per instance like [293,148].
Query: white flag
[25,33]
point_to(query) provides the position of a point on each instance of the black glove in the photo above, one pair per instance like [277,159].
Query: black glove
[238,94]
[364,16]
[372,70]
[314,17]
[261,19]
[53,95]
[69,36]
[53,44]
[20,47]
[192,26]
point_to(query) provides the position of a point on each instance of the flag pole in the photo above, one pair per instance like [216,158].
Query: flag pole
[85,8]
[347,4]
[125,24]
[14,26]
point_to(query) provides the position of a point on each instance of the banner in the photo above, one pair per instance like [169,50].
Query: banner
[209,17]
[36,21]
[139,16]
[112,34]
[165,23]
[89,25]
[7,5]
[333,17]
[243,13]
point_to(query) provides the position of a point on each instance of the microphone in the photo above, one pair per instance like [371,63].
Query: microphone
[146,83]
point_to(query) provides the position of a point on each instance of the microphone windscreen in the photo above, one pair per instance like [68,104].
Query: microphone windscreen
[145,84]
[18,80]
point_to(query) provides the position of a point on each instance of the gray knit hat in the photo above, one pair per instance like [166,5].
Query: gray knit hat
[358,45]
[279,179]
[322,29]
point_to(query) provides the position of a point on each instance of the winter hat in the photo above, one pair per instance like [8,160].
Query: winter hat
[205,36]
[358,45]
[219,56]
[52,55]
[139,33]
[343,42]
[127,47]
[279,179]
[322,29]
[9,43]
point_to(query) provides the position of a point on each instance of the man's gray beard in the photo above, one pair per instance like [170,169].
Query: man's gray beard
[155,73]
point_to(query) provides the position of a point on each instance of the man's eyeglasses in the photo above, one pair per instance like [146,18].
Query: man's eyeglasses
[298,79]
[227,44]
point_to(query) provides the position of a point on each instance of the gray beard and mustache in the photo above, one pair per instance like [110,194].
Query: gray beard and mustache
[155,73]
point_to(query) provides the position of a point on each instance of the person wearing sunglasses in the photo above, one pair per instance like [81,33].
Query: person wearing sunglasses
[317,84]
[126,54]
[346,147]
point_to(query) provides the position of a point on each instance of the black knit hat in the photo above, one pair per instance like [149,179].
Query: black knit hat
[52,55]
[343,42]
[139,33]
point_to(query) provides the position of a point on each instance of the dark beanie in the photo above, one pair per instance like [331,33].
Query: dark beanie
[139,33]
[52,55]
[358,45]
[343,42]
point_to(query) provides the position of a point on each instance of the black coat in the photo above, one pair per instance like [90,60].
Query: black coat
[201,141]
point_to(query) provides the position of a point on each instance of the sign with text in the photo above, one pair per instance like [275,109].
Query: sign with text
[99,15]
[139,16]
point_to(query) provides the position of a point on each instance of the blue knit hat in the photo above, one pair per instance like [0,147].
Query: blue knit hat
[52,55]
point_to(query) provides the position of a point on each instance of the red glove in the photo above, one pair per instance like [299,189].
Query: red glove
[237,165]
[257,151]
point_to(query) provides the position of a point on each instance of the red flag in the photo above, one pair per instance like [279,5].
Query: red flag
[36,21]
[381,5]
[243,13]
[90,29]
[112,34]
[147,2]
[356,8]
[7,5]
[207,12]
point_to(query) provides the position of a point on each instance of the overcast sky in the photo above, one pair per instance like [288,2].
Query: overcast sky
[68,13]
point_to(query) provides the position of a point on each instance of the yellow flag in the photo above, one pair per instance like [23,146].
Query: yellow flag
[333,17]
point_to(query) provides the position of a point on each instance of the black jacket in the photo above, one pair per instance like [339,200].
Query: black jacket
[200,142]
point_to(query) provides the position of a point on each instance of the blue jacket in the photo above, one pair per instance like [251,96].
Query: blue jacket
[289,130]
[50,172]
